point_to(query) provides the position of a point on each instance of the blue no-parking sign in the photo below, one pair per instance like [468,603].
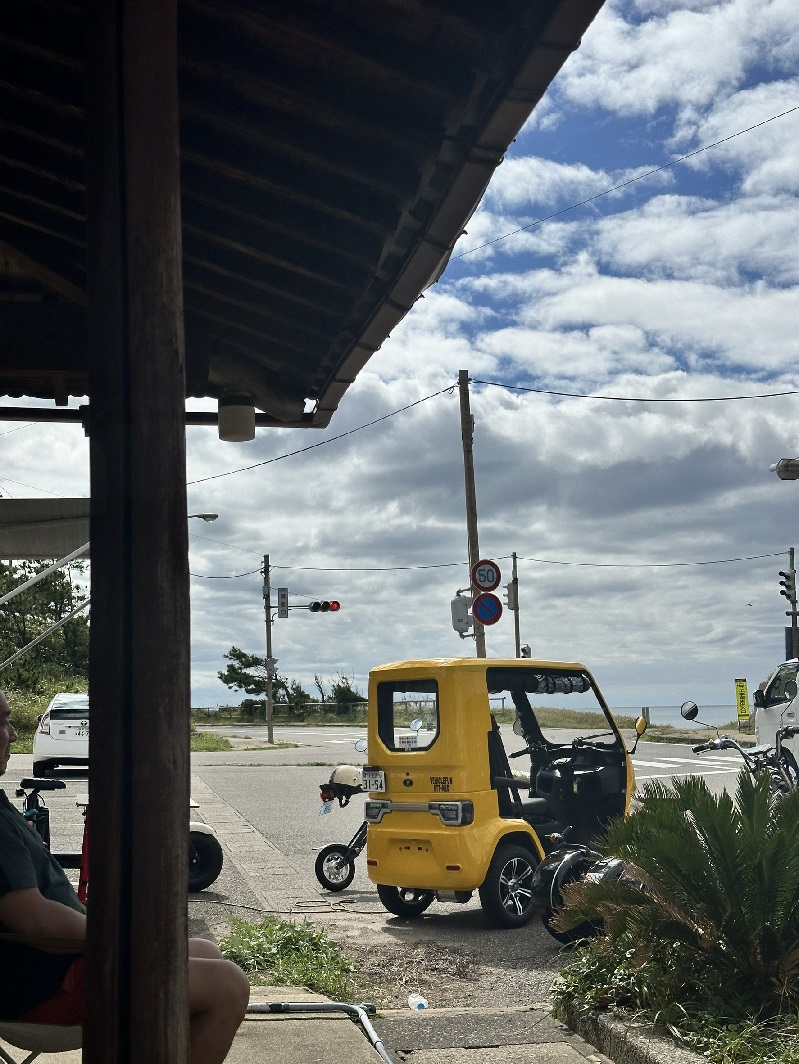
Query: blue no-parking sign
[486,608]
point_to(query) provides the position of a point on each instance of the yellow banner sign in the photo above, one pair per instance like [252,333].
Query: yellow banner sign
[742,699]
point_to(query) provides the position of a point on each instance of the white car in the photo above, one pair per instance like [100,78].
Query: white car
[62,737]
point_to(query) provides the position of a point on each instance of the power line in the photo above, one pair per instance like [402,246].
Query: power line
[623,184]
[504,557]
[633,399]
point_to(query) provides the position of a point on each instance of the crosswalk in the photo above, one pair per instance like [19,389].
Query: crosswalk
[711,764]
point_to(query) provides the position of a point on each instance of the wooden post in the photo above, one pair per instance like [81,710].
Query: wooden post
[139,755]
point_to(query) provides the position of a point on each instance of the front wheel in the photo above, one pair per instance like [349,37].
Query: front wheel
[790,768]
[404,901]
[574,934]
[506,893]
[205,860]
[334,870]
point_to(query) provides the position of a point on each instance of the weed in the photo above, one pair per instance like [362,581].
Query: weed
[290,954]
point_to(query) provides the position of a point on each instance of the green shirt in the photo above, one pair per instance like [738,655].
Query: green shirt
[29,976]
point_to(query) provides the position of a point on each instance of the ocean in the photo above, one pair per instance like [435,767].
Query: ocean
[714,715]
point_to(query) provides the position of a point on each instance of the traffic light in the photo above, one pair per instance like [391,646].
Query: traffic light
[333,606]
[788,585]
[461,618]
[512,595]
[282,602]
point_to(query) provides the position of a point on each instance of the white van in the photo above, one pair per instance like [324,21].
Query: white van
[777,703]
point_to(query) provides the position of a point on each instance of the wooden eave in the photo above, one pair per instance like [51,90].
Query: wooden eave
[331,154]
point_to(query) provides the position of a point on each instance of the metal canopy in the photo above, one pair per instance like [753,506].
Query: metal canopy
[34,529]
[331,154]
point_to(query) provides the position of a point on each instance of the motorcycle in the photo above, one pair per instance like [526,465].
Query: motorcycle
[205,851]
[777,763]
[566,862]
[335,864]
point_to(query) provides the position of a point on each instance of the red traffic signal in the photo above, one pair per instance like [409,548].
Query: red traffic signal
[333,606]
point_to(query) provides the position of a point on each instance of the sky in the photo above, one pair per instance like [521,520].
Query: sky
[649,535]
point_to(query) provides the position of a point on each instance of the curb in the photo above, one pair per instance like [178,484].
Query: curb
[630,1042]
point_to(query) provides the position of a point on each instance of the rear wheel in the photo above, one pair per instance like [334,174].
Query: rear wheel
[333,869]
[506,893]
[404,901]
[205,860]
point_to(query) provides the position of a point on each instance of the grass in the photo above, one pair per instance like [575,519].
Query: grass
[203,742]
[288,954]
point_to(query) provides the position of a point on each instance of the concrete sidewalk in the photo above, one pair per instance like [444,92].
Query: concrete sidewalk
[432,1036]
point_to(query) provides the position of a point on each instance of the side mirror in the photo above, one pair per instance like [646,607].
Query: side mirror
[640,726]
[361,746]
[759,699]
[517,727]
[416,725]
[689,710]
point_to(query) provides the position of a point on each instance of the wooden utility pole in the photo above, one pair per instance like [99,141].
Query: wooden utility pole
[270,665]
[513,600]
[467,435]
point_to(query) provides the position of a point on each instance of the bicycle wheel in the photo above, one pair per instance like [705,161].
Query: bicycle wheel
[333,869]
[790,768]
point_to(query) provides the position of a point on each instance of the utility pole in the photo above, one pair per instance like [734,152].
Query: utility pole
[515,599]
[467,435]
[269,663]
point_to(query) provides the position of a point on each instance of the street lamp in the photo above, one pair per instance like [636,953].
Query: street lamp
[786,468]
[205,517]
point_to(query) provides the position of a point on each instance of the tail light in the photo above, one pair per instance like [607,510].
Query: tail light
[44,724]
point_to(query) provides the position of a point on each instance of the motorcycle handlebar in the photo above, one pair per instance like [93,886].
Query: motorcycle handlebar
[703,746]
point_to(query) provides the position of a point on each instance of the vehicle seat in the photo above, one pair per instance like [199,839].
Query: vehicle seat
[38,1038]
[511,804]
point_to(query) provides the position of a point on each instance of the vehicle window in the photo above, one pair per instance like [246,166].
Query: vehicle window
[77,710]
[775,692]
[401,703]
[552,705]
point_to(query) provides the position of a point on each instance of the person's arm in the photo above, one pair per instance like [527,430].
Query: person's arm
[29,913]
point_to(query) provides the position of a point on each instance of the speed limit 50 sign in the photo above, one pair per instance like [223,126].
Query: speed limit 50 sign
[485,575]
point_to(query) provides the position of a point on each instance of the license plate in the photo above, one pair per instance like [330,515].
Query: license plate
[374,779]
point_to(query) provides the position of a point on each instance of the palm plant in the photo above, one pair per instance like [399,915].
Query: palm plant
[721,879]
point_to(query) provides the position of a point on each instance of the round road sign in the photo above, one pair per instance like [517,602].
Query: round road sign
[485,575]
[486,608]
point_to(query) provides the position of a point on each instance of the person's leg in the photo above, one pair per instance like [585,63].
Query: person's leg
[219,993]
[203,947]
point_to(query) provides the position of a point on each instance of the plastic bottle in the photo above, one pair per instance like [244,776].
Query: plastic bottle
[416,1001]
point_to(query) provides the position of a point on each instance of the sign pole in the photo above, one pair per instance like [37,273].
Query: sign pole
[467,434]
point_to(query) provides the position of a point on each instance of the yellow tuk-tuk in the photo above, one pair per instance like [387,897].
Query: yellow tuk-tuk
[446,814]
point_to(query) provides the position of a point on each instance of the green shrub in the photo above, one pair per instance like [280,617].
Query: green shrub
[712,942]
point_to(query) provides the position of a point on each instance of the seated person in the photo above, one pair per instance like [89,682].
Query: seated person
[44,984]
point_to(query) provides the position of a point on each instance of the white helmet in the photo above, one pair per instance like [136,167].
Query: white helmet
[348,775]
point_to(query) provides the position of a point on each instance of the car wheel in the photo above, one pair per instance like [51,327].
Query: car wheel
[506,893]
[205,860]
[333,870]
[404,901]
[40,770]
